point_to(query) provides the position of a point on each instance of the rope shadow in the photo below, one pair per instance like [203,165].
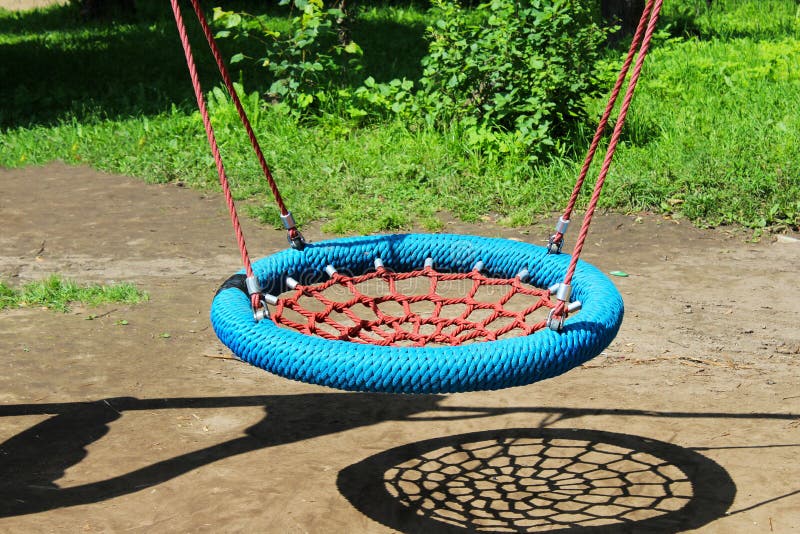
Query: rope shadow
[34,459]
[529,480]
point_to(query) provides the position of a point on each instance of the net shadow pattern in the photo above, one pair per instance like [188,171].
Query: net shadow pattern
[416,308]
[534,484]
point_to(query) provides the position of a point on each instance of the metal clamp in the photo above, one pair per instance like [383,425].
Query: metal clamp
[254,288]
[556,240]
[557,323]
[553,246]
[288,220]
[263,312]
[297,241]
[253,285]
[294,237]
[428,263]
[562,225]
[562,292]
[478,267]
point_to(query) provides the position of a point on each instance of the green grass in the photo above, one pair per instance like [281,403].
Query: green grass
[712,135]
[58,294]
[731,19]
[57,67]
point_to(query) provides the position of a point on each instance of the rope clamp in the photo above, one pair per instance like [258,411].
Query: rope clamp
[253,285]
[254,288]
[562,225]
[294,237]
[562,292]
[556,240]
[557,323]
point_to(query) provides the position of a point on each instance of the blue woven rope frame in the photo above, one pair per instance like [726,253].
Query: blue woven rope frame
[470,367]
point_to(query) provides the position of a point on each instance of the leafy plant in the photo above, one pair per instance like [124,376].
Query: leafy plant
[304,58]
[510,66]
[373,99]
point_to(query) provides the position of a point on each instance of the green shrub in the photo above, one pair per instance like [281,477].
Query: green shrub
[512,76]
[517,66]
[305,57]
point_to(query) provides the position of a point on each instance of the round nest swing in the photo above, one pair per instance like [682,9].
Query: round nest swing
[374,314]
[368,355]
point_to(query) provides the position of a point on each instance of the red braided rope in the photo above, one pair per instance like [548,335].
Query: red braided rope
[226,78]
[560,310]
[601,126]
[409,327]
[652,10]
[212,141]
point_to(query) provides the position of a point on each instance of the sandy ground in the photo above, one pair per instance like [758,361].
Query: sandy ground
[689,421]
[23,5]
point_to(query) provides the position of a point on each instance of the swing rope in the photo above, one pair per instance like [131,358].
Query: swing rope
[650,13]
[294,236]
[212,141]
[559,311]
[557,239]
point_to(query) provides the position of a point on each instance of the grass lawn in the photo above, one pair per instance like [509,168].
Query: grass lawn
[713,133]
[57,294]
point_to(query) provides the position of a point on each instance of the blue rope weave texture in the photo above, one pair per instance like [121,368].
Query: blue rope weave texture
[470,367]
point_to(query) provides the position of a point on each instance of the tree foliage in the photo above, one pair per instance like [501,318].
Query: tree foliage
[511,75]
[511,67]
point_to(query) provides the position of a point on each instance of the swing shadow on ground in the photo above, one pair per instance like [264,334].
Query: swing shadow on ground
[541,477]
[533,479]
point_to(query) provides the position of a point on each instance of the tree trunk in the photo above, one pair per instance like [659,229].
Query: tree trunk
[625,13]
[343,23]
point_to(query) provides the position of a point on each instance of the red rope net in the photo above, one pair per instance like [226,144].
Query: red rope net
[414,309]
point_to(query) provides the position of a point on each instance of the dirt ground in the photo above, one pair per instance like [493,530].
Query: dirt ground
[689,421]
[23,5]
